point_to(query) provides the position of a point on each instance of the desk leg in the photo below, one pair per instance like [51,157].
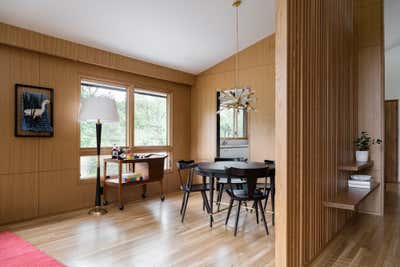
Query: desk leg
[273,198]
[211,199]
[120,204]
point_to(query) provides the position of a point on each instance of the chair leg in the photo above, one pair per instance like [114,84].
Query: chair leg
[219,198]
[263,217]
[256,208]
[205,201]
[237,217]
[229,211]
[183,202]
[266,200]
[185,206]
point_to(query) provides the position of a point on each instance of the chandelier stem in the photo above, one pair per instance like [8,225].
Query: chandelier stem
[236,5]
[235,123]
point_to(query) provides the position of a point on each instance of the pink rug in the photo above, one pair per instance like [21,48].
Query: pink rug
[16,252]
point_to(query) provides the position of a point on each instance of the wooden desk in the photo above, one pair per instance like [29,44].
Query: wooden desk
[151,168]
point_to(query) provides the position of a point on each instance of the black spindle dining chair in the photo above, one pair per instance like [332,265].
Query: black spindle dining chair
[266,185]
[222,182]
[186,170]
[249,193]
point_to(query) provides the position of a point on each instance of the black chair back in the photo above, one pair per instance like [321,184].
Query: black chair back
[271,165]
[249,175]
[186,172]
[229,159]
[269,162]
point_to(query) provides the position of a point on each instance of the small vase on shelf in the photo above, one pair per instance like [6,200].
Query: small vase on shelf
[362,156]
[363,143]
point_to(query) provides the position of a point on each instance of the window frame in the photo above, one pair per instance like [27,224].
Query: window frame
[130,123]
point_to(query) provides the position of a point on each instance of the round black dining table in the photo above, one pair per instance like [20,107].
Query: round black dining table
[218,169]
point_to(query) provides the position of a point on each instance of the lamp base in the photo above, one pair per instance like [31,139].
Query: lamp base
[97,211]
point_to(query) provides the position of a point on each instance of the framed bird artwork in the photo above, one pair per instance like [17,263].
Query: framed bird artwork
[33,111]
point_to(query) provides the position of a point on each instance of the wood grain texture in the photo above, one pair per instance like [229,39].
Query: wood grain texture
[351,198]
[22,38]
[316,92]
[391,141]
[149,233]
[367,240]
[355,166]
[282,252]
[256,69]
[50,167]
[18,196]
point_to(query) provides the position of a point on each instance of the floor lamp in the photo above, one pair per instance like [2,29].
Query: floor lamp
[98,109]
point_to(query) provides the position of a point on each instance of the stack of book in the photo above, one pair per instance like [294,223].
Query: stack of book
[132,177]
[360,181]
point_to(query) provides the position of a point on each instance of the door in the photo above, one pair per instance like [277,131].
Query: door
[391,141]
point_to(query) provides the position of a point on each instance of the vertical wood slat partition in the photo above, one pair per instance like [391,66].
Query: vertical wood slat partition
[316,91]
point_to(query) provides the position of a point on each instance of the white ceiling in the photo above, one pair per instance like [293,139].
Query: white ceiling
[392,24]
[188,35]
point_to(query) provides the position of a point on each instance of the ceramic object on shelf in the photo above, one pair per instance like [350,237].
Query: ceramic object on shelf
[361,156]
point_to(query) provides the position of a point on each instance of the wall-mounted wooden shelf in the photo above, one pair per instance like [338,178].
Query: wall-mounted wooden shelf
[356,166]
[351,198]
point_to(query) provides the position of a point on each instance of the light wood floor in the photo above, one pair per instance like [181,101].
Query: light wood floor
[149,233]
[368,240]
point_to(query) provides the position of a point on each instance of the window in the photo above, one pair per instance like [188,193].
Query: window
[226,124]
[89,166]
[112,133]
[151,119]
[147,134]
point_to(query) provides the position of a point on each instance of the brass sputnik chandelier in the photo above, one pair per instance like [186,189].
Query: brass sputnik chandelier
[238,99]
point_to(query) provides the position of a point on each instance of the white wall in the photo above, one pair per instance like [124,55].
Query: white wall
[392,79]
[392,76]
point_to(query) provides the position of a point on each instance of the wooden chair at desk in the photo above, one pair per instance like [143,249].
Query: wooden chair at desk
[151,168]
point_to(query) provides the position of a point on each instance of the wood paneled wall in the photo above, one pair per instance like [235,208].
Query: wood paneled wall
[26,39]
[317,121]
[371,108]
[40,176]
[256,69]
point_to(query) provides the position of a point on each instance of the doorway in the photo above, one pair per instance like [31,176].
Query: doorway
[391,141]
[230,145]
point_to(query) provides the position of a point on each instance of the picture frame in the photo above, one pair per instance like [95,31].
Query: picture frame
[34,111]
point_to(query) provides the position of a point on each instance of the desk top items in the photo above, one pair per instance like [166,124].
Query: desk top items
[132,177]
[33,111]
[121,153]
[130,155]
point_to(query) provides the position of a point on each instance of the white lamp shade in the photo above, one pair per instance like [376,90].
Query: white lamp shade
[99,108]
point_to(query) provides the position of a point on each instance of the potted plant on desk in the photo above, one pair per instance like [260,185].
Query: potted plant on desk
[363,143]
